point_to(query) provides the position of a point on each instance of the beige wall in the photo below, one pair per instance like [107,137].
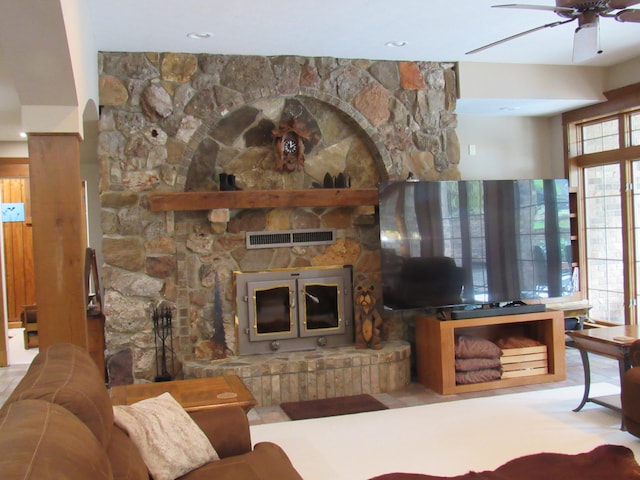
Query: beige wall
[510,147]
[623,74]
[534,82]
[14,150]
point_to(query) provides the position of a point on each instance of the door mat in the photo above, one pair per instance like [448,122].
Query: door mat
[329,407]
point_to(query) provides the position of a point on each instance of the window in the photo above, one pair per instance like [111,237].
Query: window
[606,164]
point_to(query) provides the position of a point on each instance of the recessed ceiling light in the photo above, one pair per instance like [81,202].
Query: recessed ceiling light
[396,43]
[23,135]
[199,35]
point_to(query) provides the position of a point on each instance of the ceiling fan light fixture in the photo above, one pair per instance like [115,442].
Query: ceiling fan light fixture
[586,42]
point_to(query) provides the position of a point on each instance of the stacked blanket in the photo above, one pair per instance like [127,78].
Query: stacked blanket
[477,360]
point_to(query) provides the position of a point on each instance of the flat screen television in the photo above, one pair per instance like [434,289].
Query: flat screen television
[474,243]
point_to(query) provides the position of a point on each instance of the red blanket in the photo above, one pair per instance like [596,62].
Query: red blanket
[604,462]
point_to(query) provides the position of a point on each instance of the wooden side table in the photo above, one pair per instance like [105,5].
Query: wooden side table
[612,342]
[193,394]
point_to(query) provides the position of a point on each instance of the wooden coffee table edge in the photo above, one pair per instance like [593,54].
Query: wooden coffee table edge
[243,397]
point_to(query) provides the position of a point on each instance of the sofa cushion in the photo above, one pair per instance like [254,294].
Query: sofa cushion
[227,428]
[42,440]
[65,374]
[170,442]
[630,397]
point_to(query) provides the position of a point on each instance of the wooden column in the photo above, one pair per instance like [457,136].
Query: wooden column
[59,238]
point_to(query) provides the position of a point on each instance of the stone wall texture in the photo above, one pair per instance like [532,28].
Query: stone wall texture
[175,122]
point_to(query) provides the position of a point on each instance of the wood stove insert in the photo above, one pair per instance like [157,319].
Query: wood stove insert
[294,309]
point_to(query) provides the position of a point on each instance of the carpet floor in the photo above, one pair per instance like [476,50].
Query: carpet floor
[330,407]
[447,438]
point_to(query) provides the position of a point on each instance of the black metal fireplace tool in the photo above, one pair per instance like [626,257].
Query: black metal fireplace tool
[162,327]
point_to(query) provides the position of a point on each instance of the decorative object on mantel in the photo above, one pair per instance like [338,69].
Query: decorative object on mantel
[162,328]
[328,181]
[339,181]
[368,321]
[228,182]
[289,146]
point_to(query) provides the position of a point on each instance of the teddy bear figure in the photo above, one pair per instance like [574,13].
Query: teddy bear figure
[368,321]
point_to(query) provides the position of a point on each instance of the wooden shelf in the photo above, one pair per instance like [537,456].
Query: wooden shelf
[320,197]
[435,348]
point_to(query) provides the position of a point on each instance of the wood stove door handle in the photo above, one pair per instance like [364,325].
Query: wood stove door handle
[292,301]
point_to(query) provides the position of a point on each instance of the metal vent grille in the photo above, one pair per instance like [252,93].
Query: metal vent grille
[289,238]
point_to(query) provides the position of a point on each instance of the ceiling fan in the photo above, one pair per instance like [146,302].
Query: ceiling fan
[586,42]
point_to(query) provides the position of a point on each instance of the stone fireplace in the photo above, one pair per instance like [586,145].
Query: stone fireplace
[174,122]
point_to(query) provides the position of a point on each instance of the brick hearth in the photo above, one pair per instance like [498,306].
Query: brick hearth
[305,375]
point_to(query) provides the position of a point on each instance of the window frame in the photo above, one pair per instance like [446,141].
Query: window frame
[622,104]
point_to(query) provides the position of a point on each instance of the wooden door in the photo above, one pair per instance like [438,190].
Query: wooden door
[4,355]
[18,248]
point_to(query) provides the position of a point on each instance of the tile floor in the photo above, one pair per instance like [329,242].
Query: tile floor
[602,370]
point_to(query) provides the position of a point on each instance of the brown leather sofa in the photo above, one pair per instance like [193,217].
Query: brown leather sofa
[630,392]
[58,423]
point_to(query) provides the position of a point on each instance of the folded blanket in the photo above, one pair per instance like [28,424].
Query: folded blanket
[476,347]
[476,376]
[517,342]
[469,364]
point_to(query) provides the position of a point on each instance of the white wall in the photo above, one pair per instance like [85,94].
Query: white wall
[510,147]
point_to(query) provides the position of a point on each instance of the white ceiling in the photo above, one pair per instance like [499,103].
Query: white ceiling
[434,30]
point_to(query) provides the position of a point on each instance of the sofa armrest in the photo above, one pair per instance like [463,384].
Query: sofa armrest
[227,428]
[634,354]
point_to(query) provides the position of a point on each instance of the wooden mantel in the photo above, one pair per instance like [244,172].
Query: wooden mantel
[316,197]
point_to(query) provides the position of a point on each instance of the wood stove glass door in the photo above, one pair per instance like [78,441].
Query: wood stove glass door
[321,306]
[272,310]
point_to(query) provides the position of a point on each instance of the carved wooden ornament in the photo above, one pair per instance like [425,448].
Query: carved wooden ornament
[289,147]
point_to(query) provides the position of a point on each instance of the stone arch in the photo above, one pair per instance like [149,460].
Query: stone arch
[209,133]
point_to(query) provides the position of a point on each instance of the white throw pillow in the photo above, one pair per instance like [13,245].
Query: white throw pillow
[170,442]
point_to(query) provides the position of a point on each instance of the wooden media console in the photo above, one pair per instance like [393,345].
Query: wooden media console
[435,348]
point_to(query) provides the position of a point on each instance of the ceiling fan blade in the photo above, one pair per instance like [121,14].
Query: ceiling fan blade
[517,35]
[620,4]
[537,7]
[629,15]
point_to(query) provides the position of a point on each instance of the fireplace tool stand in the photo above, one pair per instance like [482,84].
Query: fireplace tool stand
[162,327]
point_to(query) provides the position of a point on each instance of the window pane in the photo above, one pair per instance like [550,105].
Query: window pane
[595,212]
[636,215]
[602,180]
[635,128]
